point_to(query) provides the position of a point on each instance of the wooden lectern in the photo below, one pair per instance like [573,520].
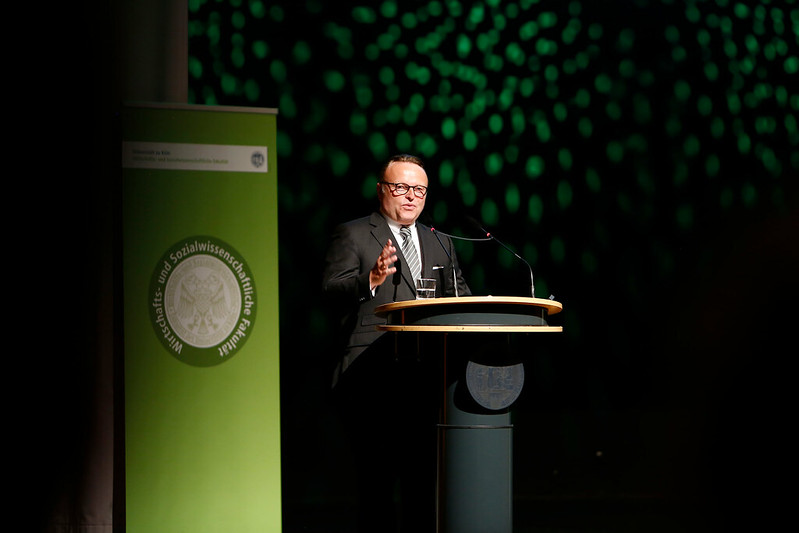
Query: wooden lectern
[481,375]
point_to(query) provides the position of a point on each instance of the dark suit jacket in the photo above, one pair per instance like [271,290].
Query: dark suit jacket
[354,249]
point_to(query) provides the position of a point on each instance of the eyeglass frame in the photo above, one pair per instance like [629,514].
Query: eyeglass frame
[393,188]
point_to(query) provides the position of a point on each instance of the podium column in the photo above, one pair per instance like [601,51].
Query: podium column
[475,492]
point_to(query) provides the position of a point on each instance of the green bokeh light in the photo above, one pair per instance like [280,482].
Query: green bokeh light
[530,111]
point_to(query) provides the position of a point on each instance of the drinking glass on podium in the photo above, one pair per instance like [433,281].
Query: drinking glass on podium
[425,288]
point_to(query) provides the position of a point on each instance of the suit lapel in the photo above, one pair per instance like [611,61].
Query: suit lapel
[380,229]
[428,245]
[435,254]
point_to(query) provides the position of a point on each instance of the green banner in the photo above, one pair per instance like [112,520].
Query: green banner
[201,346]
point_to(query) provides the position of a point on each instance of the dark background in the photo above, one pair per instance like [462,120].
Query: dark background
[642,156]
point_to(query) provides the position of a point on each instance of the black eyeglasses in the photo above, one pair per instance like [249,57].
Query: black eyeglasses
[398,189]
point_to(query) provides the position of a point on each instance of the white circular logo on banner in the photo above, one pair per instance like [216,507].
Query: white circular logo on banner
[202,301]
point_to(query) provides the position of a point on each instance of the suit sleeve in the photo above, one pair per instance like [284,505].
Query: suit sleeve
[346,277]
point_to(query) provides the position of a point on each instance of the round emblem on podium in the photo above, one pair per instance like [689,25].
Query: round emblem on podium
[494,387]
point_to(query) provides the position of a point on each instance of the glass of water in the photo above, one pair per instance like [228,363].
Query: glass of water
[425,288]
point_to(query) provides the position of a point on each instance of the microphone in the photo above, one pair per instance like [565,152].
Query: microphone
[396,279]
[490,236]
[451,262]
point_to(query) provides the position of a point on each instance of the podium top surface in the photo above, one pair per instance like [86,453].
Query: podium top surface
[551,306]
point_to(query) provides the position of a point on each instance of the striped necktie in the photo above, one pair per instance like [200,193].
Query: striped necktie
[409,251]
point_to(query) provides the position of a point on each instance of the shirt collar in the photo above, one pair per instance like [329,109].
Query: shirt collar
[395,226]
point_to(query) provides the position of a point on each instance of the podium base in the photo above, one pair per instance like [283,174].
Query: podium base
[475,482]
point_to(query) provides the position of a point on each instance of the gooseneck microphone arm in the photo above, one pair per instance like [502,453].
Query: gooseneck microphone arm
[491,237]
[451,262]
[532,283]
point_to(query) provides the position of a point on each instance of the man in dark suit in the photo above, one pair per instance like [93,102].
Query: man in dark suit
[386,397]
